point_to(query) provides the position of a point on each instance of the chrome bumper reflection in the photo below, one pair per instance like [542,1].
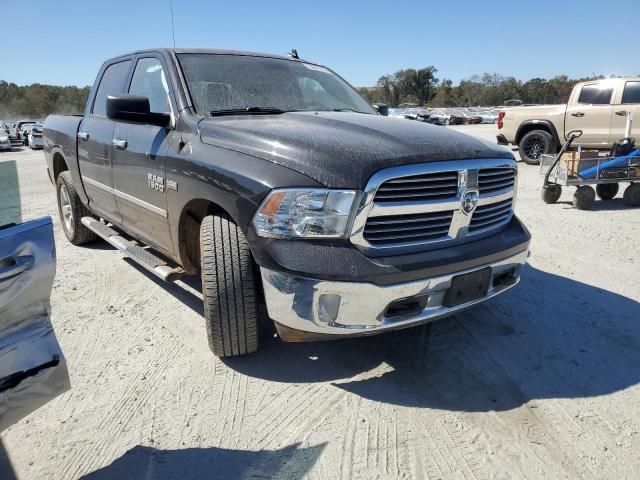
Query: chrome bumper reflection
[352,308]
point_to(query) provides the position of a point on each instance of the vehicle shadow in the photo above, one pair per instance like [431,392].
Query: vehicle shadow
[185,295]
[196,463]
[601,205]
[6,469]
[550,337]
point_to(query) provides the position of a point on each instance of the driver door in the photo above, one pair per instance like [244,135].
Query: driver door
[32,367]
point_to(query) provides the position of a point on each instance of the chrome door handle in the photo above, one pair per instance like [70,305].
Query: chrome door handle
[83,136]
[577,114]
[119,144]
[16,266]
[622,113]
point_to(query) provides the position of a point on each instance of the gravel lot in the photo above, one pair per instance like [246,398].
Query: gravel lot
[541,382]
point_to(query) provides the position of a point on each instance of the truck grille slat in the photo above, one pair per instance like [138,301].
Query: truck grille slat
[407,228]
[434,186]
[409,236]
[413,226]
[495,179]
[491,215]
[374,221]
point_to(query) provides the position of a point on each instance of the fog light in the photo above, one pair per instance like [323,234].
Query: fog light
[328,306]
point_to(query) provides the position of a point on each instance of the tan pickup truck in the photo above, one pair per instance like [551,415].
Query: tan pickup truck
[598,108]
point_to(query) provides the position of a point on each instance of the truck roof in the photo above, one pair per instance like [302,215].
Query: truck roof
[610,80]
[216,51]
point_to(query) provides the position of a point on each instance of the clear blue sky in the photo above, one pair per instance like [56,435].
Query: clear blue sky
[63,42]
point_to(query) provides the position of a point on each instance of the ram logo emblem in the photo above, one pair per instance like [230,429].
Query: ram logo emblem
[469,201]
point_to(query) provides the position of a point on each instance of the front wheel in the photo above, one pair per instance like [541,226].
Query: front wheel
[535,143]
[229,287]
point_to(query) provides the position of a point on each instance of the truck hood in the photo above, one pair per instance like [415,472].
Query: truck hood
[342,149]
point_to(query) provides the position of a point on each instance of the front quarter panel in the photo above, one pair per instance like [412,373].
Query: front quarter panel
[235,182]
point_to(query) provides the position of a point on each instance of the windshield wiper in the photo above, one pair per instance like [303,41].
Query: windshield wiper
[346,109]
[245,111]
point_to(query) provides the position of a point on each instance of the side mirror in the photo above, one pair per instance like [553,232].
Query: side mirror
[135,109]
[381,108]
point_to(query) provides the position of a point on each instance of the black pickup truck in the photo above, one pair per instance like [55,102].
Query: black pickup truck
[276,181]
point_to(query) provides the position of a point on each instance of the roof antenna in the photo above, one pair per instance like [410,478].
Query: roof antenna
[173,29]
[294,53]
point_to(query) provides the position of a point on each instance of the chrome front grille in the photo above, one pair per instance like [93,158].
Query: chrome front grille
[402,228]
[491,216]
[424,206]
[430,186]
[495,179]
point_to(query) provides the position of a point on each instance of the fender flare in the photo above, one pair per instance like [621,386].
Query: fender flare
[545,123]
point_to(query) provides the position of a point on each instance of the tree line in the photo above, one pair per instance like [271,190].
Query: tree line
[422,87]
[419,86]
[37,101]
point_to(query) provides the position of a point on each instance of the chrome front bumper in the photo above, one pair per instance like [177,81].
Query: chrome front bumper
[355,308]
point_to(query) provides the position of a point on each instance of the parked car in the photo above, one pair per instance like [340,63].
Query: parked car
[456,117]
[401,113]
[272,178]
[16,132]
[24,133]
[598,108]
[488,117]
[5,141]
[33,368]
[35,137]
[438,117]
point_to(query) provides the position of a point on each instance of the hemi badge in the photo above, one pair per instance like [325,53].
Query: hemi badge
[172,185]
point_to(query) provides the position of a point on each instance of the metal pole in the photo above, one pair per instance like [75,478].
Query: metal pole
[627,130]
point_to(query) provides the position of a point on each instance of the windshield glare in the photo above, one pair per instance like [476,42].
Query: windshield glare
[223,82]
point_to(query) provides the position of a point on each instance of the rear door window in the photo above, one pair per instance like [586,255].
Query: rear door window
[631,92]
[595,95]
[112,83]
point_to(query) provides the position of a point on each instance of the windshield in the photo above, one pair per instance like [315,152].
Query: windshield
[225,82]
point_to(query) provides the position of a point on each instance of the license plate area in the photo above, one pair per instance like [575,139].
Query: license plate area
[468,287]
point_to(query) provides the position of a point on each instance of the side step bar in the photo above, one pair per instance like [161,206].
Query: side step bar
[135,252]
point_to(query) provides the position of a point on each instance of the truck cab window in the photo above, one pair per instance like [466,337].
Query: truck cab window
[112,82]
[631,92]
[150,81]
[595,95]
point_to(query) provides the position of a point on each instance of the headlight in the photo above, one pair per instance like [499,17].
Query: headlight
[304,213]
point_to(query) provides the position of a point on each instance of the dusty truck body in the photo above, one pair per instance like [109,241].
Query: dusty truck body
[598,108]
[272,178]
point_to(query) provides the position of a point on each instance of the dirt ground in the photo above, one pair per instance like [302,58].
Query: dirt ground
[541,382]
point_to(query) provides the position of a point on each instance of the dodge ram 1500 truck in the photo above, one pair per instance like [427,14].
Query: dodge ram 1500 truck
[276,181]
[598,108]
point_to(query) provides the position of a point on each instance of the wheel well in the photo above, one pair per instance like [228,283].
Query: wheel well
[536,126]
[189,231]
[59,166]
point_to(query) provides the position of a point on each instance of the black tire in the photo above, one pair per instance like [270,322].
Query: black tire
[632,195]
[584,197]
[229,288]
[551,193]
[606,191]
[535,143]
[70,218]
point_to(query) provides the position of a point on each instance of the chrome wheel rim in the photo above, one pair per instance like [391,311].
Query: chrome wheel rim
[65,209]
